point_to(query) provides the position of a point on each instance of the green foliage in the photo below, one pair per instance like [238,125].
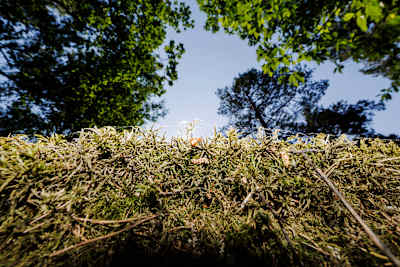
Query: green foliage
[288,32]
[68,64]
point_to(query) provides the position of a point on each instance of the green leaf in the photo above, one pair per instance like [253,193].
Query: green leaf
[286,13]
[374,10]
[393,20]
[362,22]
[235,25]
[348,16]
[111,73]
[261,22]
[267,70]
[293,80]
[240,7]
[344,24]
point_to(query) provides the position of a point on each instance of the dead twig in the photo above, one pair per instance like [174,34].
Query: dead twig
[103,221]
[59,252]
[41,217]
[33,228]
[247,199]
[368,230]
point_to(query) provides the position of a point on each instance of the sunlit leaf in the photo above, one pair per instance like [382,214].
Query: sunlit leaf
[362,22]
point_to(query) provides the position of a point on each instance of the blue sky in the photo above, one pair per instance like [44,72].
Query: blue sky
[213,60]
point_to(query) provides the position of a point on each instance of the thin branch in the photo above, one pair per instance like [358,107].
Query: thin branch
[257,112]
[246,199]
[277,111]
[41,217]
[314,246]
[103,221]
[5,57]
[59,252]
[6,75]
[368,230]
[33,228]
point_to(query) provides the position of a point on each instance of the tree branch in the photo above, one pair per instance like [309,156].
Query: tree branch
[6,75]
[5,56]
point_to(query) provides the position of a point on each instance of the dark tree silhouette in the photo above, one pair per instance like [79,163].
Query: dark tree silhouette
[69,64]
[256,99]
[340,117]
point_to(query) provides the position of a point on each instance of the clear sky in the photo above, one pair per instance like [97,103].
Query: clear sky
[212,61]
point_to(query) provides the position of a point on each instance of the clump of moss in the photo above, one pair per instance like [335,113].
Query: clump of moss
[96,199]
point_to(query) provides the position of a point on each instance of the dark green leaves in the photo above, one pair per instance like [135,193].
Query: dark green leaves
[373,9]
[366,31]
[78,65]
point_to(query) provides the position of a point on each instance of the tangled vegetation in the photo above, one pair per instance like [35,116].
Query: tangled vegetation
[109,196]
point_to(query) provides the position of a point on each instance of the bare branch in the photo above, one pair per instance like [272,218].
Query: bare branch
[62,251]
[368,230]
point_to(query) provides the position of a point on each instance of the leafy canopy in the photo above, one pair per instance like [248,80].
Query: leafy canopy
[289,32]
[69,64]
